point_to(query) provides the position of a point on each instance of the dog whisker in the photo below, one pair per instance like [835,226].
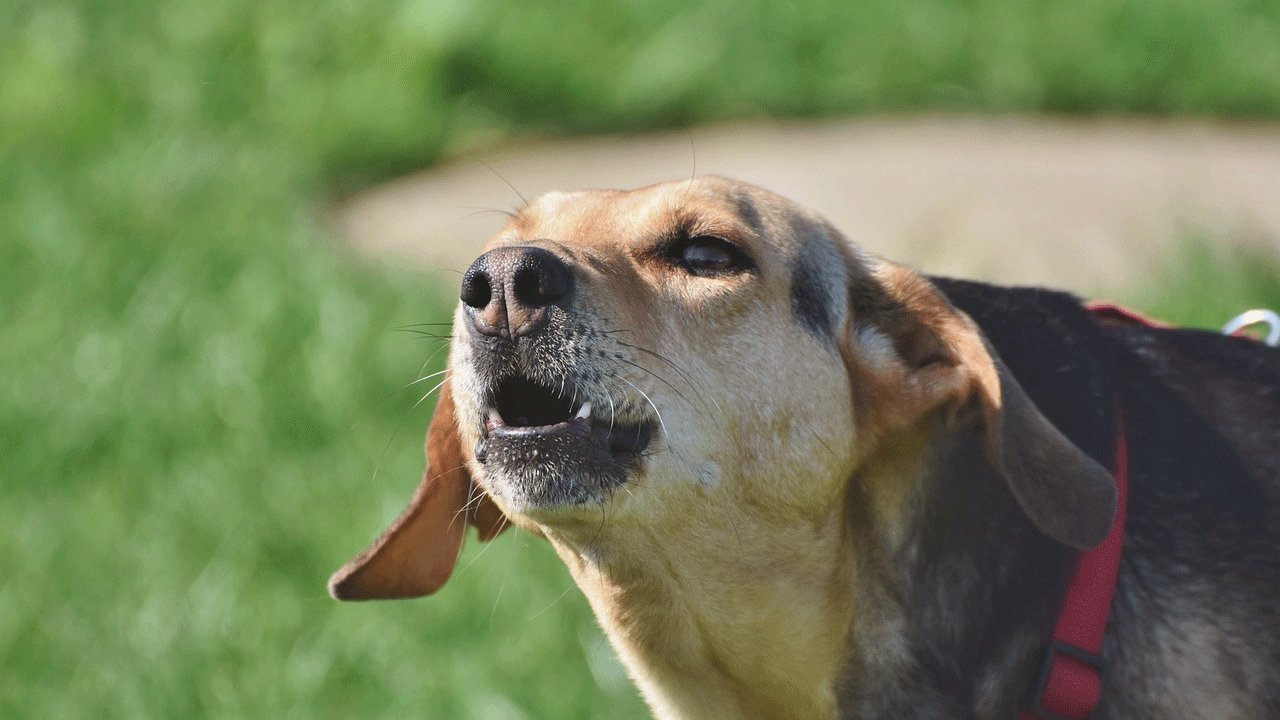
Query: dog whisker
[425,378]
[476,498]
[497,599]
[656,411]
[661,379]
[486,211]
[428,360]
[680,371]
[519,194]
[387,447]
[684,375]
[604,515]
[424,334]
[478,555]
[821,441]
[430,392]
[553,603]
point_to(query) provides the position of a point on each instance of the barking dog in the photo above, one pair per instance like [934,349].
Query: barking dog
[797,481]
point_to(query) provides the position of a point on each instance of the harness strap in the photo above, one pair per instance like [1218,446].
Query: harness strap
[1069,686]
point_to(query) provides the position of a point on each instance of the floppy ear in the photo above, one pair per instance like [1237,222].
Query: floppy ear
[924,355]
[416,555]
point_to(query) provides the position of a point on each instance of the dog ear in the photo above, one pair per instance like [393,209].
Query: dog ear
[926,355]
[416,555]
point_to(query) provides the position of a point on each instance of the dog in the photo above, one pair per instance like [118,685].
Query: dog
[798,481]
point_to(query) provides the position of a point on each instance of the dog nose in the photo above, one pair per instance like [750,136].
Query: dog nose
[509,291]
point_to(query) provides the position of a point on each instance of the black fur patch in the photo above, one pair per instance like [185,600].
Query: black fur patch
[1201,536]
[981,586]
[810,301]
[811,298]
[747,210]
[1051,344]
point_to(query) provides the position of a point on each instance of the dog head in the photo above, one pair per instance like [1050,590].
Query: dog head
[700,354]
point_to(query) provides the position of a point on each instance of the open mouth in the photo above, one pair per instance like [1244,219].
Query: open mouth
[551,422]
[547,448]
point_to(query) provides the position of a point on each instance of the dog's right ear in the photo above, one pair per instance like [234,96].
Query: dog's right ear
[416,555]
[914,353]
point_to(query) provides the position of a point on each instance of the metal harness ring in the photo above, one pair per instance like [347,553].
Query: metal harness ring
[1255,317]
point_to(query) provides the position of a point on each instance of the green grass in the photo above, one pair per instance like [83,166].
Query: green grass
[203,407]
[1211,281]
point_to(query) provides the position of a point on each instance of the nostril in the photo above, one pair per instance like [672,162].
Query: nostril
[536,288]
[540,279]
[476,289]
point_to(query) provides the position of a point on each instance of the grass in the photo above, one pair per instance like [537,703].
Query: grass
[1211,281]
[203,407]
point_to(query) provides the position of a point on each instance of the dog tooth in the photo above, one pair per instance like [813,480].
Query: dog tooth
[584,412]
[494,417]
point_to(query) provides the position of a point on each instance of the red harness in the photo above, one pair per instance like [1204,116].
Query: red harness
[1069,685]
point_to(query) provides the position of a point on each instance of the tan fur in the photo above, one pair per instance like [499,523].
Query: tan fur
[764,554]
[727,573]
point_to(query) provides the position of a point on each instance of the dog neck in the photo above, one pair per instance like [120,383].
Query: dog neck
[849,615]
[728,619]
[959,592]
[750,614]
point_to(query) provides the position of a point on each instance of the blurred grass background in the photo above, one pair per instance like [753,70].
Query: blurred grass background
[203,407]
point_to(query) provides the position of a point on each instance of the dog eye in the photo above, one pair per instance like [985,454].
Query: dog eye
[709,256]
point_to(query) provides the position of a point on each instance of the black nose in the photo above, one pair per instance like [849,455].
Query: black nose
[509,291]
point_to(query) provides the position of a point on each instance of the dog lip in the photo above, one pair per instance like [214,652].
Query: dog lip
[495,425]
[527,423]
[618,440]
[520,401]
[494,421]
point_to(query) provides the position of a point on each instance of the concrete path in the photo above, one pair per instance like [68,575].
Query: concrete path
[1087,205]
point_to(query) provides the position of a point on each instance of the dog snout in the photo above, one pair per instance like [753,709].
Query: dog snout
[509,291]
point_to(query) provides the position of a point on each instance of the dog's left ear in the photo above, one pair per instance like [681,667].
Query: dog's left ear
[416,555]
[926,355]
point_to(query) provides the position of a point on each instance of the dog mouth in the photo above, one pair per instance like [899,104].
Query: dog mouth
[524,409]
[551,446]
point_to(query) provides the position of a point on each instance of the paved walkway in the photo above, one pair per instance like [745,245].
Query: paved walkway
[1084,204]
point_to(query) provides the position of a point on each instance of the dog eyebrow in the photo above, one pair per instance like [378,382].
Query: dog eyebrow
[747,210]
[695,222]
[813,292]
